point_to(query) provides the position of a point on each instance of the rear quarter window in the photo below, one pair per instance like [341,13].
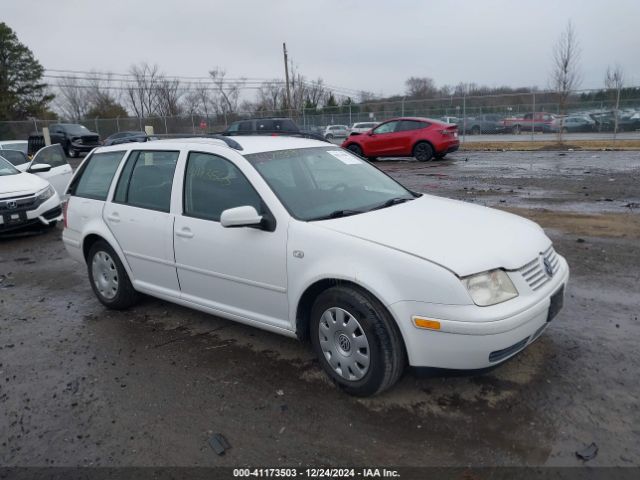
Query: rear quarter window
[95,178]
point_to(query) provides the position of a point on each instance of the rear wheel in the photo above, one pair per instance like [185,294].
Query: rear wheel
[516,129]
[109,279]
[355,149]
[440,156]
[423,152]
[475,130]
[328,136]
[356,341]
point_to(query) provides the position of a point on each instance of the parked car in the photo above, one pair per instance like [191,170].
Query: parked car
[421,138]
[537,122]
[336,131]
[26,199]
[74,138]
[14,145]
[308,240]
[485,123]
[606,121]
[362,127]
[450,120]
[574,123]
[262,125]
[125,137]
[59,171]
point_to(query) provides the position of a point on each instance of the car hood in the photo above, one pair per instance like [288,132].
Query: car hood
[20,184]
[459,236]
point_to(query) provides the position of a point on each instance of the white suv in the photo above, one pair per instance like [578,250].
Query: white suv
[362,127]
[336,131]
[303,238]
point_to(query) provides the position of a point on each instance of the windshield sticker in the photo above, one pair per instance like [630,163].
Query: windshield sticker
[345,157]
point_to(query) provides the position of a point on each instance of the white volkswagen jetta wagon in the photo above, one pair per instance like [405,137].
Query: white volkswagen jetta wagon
[302,238]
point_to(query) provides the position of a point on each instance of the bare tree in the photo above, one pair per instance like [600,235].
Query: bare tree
[168,95]
[270,96]
[72,98]
[315,93]
[565,75]
[420,87]
[142,92]
[227,93]
[614,81]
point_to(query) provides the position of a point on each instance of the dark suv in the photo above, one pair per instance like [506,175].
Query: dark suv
[262,125]
[74,138]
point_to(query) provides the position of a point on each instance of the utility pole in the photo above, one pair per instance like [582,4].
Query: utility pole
[286,74]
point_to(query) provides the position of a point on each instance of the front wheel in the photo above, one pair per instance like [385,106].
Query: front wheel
[72,153]
[423,152]
[328,136]
[356,341]
[109,279]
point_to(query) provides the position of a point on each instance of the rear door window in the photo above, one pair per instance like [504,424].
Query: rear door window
[96,175]
[146,180]
[407,125]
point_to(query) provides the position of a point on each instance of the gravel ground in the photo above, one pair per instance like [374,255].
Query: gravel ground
[81,385]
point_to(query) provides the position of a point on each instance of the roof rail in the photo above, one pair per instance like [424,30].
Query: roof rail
[279,133]
[231,143]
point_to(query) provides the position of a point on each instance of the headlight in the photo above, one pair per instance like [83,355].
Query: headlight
[490,288]
[45,194]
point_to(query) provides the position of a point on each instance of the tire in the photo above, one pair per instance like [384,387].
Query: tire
[516,129]
[441,156]
[423,152]
[345,318]
[475,130]
[71,152]
[329,136]
[113,288]
[372,159]
[565,130]
[355,149]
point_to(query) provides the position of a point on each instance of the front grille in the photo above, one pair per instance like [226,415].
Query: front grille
[90,140]
[534,272]
[17,204]
[500,354]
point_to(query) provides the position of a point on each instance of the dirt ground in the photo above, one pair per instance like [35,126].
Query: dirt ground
[81,385]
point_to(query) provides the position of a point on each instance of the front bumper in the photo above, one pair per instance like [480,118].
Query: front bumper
[83,147]
[473,337]
[47,213]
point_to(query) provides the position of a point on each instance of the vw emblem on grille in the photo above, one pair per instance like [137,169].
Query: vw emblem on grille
[547,267]
[12,204]
[344,342]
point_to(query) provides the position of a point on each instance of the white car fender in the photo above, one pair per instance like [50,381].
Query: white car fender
[96,226]
[390,275]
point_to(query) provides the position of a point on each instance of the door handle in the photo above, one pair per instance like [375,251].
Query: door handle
[114,217]
[184,233]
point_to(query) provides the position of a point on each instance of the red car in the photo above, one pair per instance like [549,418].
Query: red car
[422,138]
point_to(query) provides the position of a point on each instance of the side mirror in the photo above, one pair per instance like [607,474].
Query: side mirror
[245,216]
[40,168]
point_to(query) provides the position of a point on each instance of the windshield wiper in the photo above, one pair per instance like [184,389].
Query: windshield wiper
[337,214]
[390,203]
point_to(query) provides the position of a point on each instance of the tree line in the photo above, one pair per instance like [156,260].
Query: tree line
[146,91]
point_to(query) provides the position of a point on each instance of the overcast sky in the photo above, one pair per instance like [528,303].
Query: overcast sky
[370,45]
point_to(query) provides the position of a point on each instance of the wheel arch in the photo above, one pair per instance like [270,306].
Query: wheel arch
[94,236]
[305,303]
[423,140]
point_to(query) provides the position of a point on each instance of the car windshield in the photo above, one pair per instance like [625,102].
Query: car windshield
[77,129]
[326,182]
[7,169]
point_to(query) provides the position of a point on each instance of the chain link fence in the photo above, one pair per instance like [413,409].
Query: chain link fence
[532,116]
